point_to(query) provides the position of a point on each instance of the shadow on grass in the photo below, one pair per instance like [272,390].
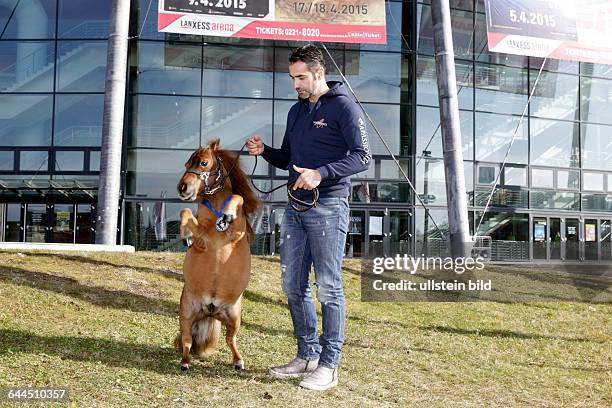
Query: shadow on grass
[115,353]
[84,259]
[116,299]
[256,297]
[499,333]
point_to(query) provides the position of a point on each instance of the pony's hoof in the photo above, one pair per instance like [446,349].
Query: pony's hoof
[228,218]
[184,367]
[239,365]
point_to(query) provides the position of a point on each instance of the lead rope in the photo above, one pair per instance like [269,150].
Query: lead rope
[293,200]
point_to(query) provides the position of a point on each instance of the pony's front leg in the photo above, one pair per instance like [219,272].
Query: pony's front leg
[232,208]
[189,225]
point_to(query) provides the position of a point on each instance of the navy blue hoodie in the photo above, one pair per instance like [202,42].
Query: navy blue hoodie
[331,138]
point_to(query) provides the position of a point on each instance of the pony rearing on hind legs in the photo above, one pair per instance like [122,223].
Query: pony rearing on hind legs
[217,265]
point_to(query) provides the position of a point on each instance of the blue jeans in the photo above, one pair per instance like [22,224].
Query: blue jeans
[317,237]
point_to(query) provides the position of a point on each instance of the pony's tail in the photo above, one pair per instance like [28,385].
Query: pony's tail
[205,336]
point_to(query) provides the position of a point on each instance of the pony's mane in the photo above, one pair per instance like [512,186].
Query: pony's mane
[240,185]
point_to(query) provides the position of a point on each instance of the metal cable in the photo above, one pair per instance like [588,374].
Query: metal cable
[399,166]
[535,84]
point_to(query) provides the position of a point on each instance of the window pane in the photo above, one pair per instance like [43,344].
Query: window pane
[595,100]
[593,181]
[33,161]
[389,169]
[431,181]
[83,18]
[555,96]
[502,197]
[396,18]
[154,172]
[31,19]
[504,226]
[462,25]
[6,160]
[494,134]
[78,120]
[500,89]
[515,176]
[385,117]
[553,200]
[378,77]
[25,120]
[429,136]
[596,147]
[554,143]
[26,66]
[568,179]
[81,66]
[94,161]
[597,202]
[427,84]
[281,109]
[554,65]
[541,178]
[69,161]
[167,67]
[235,120]
[598,70]
[487,174]
[165,121]
[238,71]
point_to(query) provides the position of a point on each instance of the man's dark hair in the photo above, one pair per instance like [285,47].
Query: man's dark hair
[309,55]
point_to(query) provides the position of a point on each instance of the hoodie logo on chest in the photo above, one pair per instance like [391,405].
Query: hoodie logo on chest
[319,124]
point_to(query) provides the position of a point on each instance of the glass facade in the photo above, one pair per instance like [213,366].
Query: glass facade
[184,90]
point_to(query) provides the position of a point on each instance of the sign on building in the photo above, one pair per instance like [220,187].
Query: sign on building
[562,29]
[346,21]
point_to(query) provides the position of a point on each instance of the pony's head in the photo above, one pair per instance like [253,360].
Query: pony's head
[203,172]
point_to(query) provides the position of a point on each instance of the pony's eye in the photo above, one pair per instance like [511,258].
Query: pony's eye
[203,163]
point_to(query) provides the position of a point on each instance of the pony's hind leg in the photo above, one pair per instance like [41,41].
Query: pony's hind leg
[186,319]
[232,325]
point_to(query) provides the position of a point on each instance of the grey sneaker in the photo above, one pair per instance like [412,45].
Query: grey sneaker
[321,379]
[296,368]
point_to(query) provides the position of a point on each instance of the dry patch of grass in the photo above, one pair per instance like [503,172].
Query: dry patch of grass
[102,325]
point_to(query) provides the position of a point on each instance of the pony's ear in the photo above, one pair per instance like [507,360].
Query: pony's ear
[213,145]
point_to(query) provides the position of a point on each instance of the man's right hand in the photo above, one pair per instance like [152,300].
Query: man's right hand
[255,145]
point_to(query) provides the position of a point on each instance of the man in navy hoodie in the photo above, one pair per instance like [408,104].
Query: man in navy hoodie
[325,143]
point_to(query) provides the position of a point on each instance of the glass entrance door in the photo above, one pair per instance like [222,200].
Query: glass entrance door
[572,239]
[356,237]
[540,238]
[376,233]
[13,223]
[36,223]
[591,242]
[62,223]
[554,238]
[605,240]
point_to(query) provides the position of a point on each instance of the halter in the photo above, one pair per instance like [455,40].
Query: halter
[219,180]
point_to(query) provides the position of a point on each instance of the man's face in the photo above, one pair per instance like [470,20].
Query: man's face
[304,80]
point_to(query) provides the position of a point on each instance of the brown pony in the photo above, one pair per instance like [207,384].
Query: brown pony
[217,265]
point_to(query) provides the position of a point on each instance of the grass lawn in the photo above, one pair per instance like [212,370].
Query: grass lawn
[102,325]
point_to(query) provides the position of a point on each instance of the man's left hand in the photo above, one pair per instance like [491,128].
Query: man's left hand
[308,179]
